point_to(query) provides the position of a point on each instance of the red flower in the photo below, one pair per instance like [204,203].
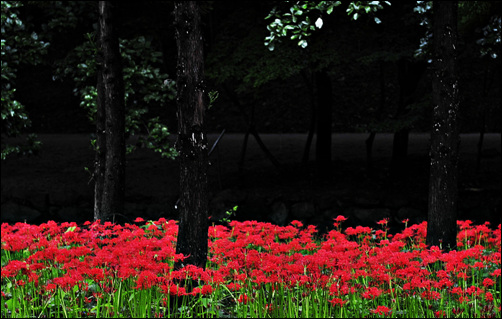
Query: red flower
[146,280]
[381,310]
[487,282]
[384,221]
[297,223]
[372,293]
[340,218]
[233,286]
[337,301]
[50,287]
[139,220]
[206,290]
[243,299]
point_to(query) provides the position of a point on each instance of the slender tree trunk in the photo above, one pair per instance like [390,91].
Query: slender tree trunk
[443,188]
[113,84]
[100,145]
[324,110]
[192,141]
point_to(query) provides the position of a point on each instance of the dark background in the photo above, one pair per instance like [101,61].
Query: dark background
[54,185]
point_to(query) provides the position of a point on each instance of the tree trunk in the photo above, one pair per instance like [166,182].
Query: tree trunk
[113,83]
[443,188]
[100,145]
[324,110]
[192,141]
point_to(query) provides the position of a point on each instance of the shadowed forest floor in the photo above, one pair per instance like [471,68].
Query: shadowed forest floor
[55,180]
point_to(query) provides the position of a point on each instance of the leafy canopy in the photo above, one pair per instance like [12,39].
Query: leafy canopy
[145,87]
[298,22]
[18,46]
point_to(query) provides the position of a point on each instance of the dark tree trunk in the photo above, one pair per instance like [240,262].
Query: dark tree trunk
[324,110]
[113,84]
[100,145]
[192,141]
[443,188]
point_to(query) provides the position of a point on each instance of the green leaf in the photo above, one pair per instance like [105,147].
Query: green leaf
[298,12]
[71,229]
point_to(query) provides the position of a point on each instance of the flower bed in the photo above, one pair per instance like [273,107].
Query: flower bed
[254,270]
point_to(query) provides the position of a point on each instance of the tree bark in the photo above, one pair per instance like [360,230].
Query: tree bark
[100,145]
[113,83]
[443,188]
[192,141]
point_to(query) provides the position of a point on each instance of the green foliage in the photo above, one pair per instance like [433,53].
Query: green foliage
[31,146]
[298,20]
[213,96]
[229,214]
[471,14]
[251,66]
[490,41]
[18,46]
[145,87]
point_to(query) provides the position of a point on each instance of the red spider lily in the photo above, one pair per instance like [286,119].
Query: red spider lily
[243,299]
[337,301]
[50,287]
[233,286]
[13,268]
[340,218]
[359,230]
[173,289]
[297,223]
[146,279]
[251,255]
[372,293]
[383,222]
[488,282]
[381,310]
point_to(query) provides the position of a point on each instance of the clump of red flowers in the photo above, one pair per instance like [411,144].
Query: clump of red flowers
[357,262]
